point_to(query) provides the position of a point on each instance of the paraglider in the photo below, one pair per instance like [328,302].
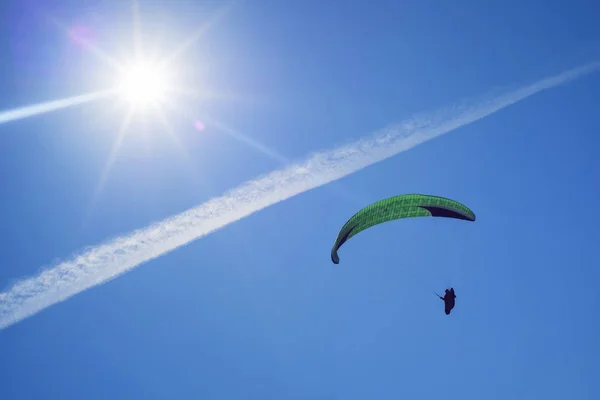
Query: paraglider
[449,300]
[398,207]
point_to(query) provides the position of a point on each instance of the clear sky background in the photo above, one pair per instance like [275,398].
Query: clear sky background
[257,310]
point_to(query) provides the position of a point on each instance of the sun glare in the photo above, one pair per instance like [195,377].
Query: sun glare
[143,83]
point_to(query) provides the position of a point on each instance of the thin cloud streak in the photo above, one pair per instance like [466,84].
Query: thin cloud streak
[41,108]
[99,264]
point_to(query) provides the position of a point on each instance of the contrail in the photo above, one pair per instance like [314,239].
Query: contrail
[29,111]
[99,264]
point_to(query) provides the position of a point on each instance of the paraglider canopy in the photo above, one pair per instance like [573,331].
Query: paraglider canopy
[397,207]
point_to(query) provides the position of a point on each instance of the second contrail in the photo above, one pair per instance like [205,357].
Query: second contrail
[54,105]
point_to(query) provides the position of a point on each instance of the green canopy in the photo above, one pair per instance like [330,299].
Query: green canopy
[397,207]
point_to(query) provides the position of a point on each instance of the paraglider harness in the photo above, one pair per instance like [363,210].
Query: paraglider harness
[449,301]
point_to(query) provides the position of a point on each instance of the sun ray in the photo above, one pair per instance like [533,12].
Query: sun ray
[198,34]
[95,50]
[137,30]
[113,153]
[235,134]
[169,129]
[205,94]
[257,145]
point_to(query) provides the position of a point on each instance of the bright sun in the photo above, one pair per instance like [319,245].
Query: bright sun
[143,84]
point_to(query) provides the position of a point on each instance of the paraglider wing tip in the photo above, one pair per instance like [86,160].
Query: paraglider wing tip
[341,240]
[334,257]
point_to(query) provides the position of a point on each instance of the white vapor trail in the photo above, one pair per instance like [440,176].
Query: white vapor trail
[30,111]
[99,264]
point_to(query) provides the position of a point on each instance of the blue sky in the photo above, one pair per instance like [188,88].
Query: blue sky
[257,310]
